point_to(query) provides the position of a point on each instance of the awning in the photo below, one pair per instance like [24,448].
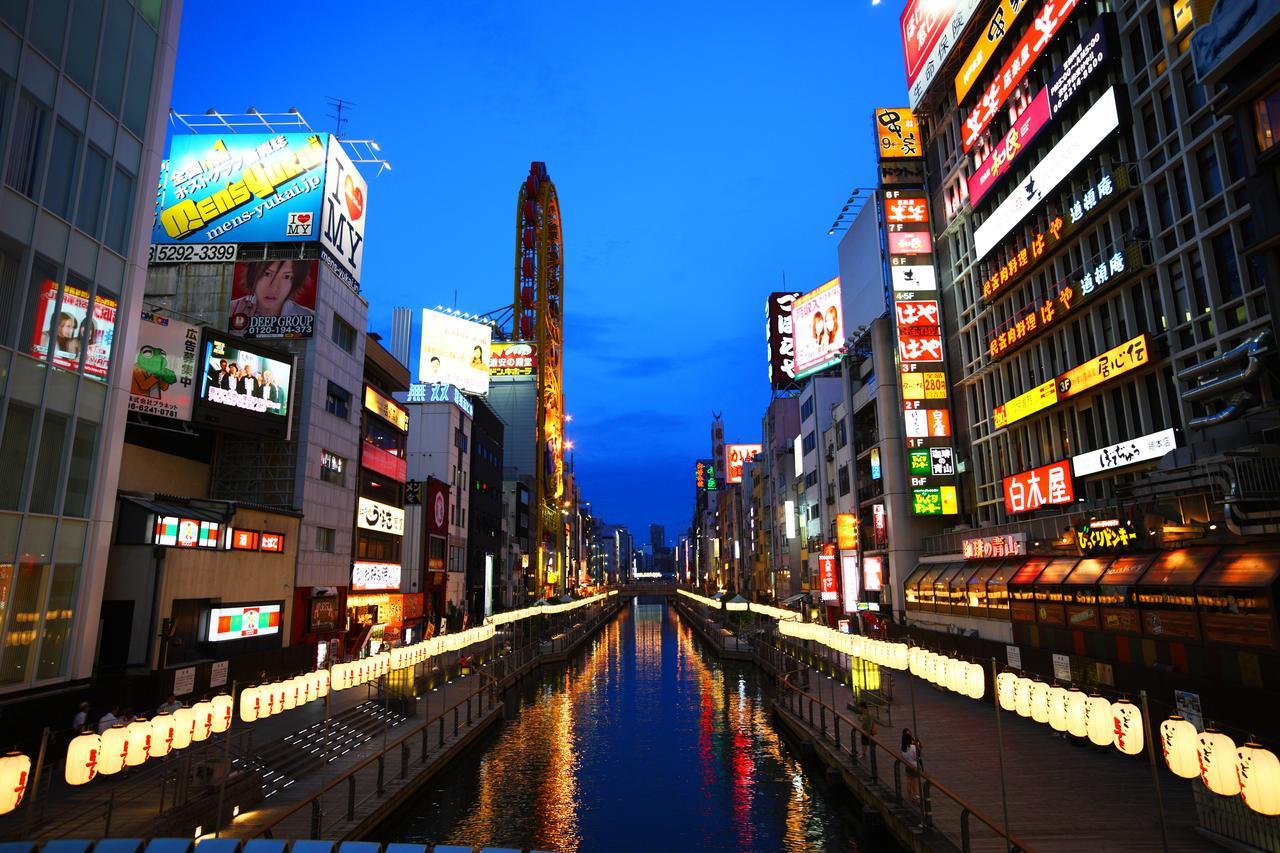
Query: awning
[1057,570]
[163,508]
[914,577]
[1243,567]
[1178,568]
[795,599]
[1030,570]
[1125,571]
[1087,571]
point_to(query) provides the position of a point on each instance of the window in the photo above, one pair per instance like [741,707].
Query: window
[326,539]
[30,123]
[344,334]
[338,402]
[120,214]
[1266,119]
[333,468]
[82,56]
[93,186]
[842,475]
[138,91]
[810,442]
[1207,165]
[806,409]
[48,26]
[1224,259]
[842,437]
[810,479]
[111,75]
[62,171]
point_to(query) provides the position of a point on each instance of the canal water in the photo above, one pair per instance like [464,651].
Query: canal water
[645,741]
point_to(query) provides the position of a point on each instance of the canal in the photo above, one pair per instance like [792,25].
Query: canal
[645,741]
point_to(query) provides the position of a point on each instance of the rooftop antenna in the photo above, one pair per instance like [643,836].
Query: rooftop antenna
[338,105]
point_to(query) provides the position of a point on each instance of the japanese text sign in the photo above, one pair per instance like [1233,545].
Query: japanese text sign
[1039,487]
[897,134]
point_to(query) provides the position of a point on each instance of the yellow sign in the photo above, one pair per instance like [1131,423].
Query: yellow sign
[924,385]
[846,531]
[386,409]
[1001,22]
[1038,398]
[897,134]
[1103,368]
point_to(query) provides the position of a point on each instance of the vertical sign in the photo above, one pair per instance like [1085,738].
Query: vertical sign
[782,355]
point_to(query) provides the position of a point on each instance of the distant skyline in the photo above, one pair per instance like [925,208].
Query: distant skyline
[700,154]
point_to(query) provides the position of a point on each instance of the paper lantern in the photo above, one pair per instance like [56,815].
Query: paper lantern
[1022,696]
[1179,741]
[958,677]
[223,710]
[1076,723]
[161,734]
[1040,702]
[900,652]
[1218,772]
[15,770]
[1006,686]
[1126,719]
[1259,772]
[115,749]
[139,742]
[250,704]
[1097,721]
[203,712]
[289,694]
[975,681]
[280,688]
[913,661]
[184,728]
[82,758]
[306,688]
[1058,708]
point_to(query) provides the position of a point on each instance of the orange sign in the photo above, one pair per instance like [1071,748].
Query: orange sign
[988,40]
[924,385]
[897,133]
[1038,398]
[847,531]
[737,455]
[1129,355]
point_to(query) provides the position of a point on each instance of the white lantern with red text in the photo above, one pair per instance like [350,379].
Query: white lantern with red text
[82,758]
[15,771]
[1218,771]
[1058,708]
[1040,702]
[223,710]
[1126,721]
[203,712]
[975,683]
[115,749]
[139,742]
[1022,696]
[250,704]
[1259,772]
[1097,721]
[289,694]
[1006,686]
[184,728]
[161,734]
[1076,724]
[322,683]
[281,689]
[1179,741]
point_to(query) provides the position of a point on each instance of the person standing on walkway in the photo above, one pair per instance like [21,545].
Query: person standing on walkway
[911,756]
[81,718]
[108,719]
[868,723]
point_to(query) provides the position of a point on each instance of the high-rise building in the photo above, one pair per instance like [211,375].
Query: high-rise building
[657,537]
[84,93]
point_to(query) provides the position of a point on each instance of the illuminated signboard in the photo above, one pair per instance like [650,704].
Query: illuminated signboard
[164,370]
[1048,19]
[897,134]
[926,423]
[1097,124]
[379,517]
[175,532]
[454,351]
[924,385]
[383,462]
[880,524]
[818,329]
[736,456]
[704,476]
[244,540]
[1039,487]
[1022,259]
[420,392]
[386,409]
[930,30]
[906,209]
[827,573]
[910,243]
[370,577]
[851,581]
[1037,399]
[846,531]
[1130,355]
[911,313]
[1087,57]
[939,500]
[271,542]
[274,299]
[1070,295]
[512,358]
[1002,545]
[875,463]
[1133,452]
[781,344]
[244,387]
[1107,534]
[912,278]
[873,573]
[989,39]
[919,345]
[248,620]
[931,461]
[80,326]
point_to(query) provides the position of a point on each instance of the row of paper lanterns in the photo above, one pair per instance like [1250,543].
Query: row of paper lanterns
[958,676]
[881,652]
[541,609]
[1070,710]
[260,701]
[781,614]
[1250,771]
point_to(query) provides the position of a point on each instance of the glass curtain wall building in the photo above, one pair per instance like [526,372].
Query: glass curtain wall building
[84,87]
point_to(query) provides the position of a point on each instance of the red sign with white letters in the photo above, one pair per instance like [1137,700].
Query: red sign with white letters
[917,313]
[1047,485]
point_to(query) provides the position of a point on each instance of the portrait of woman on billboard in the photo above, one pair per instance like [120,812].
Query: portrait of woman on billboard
[274,299]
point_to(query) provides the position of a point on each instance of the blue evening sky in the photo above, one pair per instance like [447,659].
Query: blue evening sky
[700,152]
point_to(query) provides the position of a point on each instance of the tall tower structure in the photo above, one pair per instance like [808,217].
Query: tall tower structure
[538,316]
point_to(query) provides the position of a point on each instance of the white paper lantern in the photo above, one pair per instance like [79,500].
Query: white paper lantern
[115,750]
[184,728]
[1218,771]
[289,695]
[250,704]
[1097,721]
[1259,772]
[1040,702]
[1126,719]
[15,770]
[322,683]
[82,758]
[1006,687]
[306,688]
[899,656]
[1022,696]
[1077,725]
[139,743]
[161,734]
[1058,708]
[223,710]
[1179,741]
[203,712]
[280,688]
[975,681]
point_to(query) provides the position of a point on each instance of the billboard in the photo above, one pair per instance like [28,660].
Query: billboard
[827,573]
[73,329]
[1026,404]
[897,134]
[930,29]
[1048,485]
[241,621]
[513,358]
[386,408]
[369,576]
[244,387]
[818,329]
[851,578]
[1130,355]
[274,299]
[379,517]
[1148,448]
[778,333]
[342,220]
[736,456]
[163,382]
[846,531]
[988,42]
[455,352]
[704,476]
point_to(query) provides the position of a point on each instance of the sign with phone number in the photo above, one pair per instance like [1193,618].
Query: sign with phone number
[193,254]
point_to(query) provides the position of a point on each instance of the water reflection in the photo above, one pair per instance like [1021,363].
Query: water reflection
[643,743]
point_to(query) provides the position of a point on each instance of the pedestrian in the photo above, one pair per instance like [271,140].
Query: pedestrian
[80,719]
[868,721]
[911,757]
[109,719]
[170,705]
[128,716]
